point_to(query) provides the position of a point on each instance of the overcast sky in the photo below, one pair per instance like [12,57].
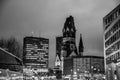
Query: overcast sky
[46,19]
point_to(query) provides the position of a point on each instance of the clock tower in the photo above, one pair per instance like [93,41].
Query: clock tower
[69,35]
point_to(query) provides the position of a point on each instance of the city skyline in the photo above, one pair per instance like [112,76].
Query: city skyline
[46,19]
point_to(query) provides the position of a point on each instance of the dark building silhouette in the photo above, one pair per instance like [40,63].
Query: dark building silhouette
[69,48]
[81,47]
[57,68]
[69,35]
[59,40]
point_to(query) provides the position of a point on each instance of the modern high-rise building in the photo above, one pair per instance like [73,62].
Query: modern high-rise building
[111,25]
[36,54]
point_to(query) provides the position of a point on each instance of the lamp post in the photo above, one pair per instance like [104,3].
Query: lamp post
[8,77]
[71,74]
[92,71]
[62,62]
[78,75]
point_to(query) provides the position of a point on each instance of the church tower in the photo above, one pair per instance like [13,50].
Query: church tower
[81,47]
[69,35]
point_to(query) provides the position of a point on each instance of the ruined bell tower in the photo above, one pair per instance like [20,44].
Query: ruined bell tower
[69,35]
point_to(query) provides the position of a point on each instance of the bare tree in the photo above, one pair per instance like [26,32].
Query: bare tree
[3,43]
[12,46]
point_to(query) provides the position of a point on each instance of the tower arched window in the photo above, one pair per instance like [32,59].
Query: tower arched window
[67,29]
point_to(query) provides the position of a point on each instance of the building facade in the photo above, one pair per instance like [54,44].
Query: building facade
[111,25]
[84,66]
[36,54]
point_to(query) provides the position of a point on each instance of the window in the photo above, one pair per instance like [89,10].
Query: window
[106,21]
[113,48]
[119,54]
[113,29]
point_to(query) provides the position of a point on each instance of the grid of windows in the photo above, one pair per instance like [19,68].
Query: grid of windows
[112,30]
[111,18]
[36,52]
[113,58]
[115,37]
[81,64]
[113,48]
[111,23]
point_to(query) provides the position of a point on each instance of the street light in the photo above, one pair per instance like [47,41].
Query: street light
[92,71]
[78,73]
[71,73]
